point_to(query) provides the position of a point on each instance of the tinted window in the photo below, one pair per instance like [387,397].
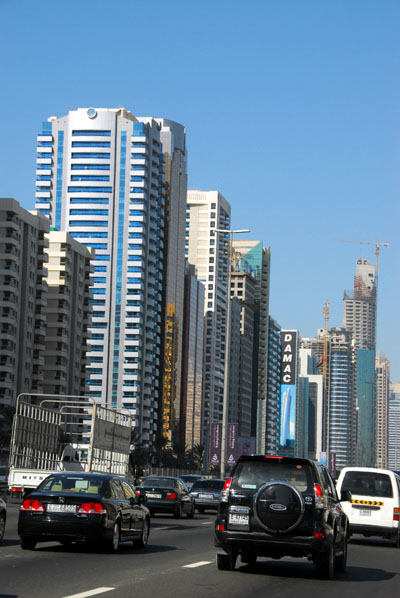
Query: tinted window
[368,483]
[252,474]
[208,485]
[116,492]
[128,490]
[159,481]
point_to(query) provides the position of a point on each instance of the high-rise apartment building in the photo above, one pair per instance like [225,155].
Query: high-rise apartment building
[309,362]
[68,316]
[208,251]
[23,291]
[241,379]
[394,426]
[382,366]
[100,176]
[268,408]
[253,255]
[192,367]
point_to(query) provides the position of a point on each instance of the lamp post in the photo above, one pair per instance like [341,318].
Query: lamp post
[225,403]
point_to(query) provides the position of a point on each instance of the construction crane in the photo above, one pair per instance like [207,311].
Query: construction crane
[377,248]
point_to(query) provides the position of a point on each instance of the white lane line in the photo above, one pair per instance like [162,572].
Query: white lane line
[90,593]
[207,522]
[199,564]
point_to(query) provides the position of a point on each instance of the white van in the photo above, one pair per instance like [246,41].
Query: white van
[375,505]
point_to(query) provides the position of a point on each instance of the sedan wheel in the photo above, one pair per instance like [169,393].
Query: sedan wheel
[190,515]
[28,543]
[142,542]
[178,511]
[2,525]
[112,544]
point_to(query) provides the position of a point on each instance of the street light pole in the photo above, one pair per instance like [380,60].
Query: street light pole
[225,404]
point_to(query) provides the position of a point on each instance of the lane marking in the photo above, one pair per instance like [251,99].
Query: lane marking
[90,593]
[199,564]
[207,522]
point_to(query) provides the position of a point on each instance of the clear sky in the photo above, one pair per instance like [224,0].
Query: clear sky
[291,109]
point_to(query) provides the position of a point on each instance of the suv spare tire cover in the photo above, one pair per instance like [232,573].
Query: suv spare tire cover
[279,507]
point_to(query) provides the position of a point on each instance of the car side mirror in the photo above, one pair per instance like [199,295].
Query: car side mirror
[345,495]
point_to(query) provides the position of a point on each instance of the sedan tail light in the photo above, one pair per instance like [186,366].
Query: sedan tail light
[89,508]
[33,505]
[171,495]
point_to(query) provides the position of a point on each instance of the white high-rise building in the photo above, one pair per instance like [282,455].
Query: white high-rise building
[100,176]
[382,367]
[208,251]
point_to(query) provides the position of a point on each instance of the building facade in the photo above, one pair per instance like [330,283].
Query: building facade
[68,316]
[23,296]
[382,367]
[394,426]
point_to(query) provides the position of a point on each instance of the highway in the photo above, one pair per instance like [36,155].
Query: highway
[179,562]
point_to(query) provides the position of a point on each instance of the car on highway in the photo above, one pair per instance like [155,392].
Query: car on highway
[84,507]
[3,518]
[206,494]
[374,509]
[190,479]
[276,506]
[166,494]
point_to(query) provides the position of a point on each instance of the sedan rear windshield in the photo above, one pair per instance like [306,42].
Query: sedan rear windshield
[253,474]
[71,483]
[368,483]
[208,485]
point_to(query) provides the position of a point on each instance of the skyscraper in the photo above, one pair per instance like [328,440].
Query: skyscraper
[394,426]
[100,176]
[253,254]
[208,251]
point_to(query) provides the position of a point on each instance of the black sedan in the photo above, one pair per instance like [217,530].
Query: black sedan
[3,518]
[83,507]
[164,494]
[206,494]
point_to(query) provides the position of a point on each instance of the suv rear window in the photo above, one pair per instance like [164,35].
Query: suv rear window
[368,483]
[253,474]
[208,485]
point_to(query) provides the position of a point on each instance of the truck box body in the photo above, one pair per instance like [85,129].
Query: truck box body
[42,442]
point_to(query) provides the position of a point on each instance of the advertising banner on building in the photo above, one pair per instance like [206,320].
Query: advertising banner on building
[215,444]
[246,445]
[287,405]
[231,444]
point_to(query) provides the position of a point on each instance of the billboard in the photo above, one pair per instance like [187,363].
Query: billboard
[287,403]
[231,453]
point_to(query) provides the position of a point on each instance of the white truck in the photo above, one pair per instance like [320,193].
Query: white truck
[41,440]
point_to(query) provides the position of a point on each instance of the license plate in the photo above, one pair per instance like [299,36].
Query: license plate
[238,519]
[153,495]
[207,496]
[365,512]
[61,508]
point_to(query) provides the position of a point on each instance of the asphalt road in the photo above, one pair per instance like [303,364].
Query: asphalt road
[179,562]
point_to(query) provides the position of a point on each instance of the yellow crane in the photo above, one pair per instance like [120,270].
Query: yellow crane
[377,248]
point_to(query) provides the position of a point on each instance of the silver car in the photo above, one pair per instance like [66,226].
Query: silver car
[206,494]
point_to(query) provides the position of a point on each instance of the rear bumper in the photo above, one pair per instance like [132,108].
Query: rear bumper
[44,528]
[270,546]
[373,530]
[158,506]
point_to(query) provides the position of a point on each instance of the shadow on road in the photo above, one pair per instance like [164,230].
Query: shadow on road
[124,548]
[304,570]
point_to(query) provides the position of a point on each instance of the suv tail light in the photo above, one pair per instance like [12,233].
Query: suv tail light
[225,490]
[33,505]
[396,513]
[90,508]
[319,497]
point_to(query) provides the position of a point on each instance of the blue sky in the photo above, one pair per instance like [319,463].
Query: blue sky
[291,109]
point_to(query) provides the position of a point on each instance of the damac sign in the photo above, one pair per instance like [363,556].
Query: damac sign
[289,356]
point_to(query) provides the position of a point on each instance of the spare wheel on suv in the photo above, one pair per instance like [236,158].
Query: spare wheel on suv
[279,507]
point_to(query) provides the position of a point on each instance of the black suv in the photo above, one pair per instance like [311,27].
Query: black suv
[281,506]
